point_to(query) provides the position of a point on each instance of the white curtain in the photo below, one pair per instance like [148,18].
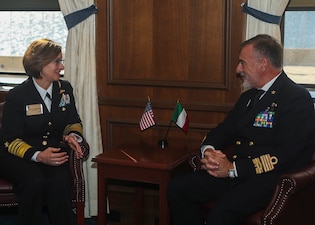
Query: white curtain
[255,26]
[80,70]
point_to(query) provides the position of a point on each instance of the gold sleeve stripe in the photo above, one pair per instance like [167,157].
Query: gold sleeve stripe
[258,166]
[264,163]
[18,147]
[73,127]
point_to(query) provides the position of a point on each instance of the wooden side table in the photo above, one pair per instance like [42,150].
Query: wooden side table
[139,163]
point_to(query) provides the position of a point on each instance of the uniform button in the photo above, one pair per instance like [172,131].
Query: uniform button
[238,142]
[48,133]
[44,142]
[49,123]
[250,143]
[63,109]
[234,156]
[249,157]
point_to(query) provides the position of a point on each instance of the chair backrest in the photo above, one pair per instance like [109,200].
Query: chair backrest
[1,110]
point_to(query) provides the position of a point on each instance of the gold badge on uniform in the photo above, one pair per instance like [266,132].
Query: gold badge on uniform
[34,109]
[264,163]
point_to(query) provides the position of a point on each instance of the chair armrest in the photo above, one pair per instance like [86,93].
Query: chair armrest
[77,172]
[85,149]
[302,178]
[290,184]
[194,161]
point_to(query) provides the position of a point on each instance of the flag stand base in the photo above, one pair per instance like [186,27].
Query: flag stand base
[162,143]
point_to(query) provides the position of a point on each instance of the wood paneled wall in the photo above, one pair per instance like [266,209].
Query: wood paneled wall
[167,50]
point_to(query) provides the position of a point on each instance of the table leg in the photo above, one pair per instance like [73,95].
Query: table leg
[164,213]
[139,214]
[102,199]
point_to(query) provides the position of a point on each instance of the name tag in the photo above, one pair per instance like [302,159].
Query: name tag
[34,109]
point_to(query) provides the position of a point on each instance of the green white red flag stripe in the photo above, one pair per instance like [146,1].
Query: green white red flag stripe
[180,117]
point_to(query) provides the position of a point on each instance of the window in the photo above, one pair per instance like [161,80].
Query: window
[19,29]
[22,27]
[299,44]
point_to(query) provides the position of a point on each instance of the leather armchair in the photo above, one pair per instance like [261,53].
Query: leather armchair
[292,201]
[8,199]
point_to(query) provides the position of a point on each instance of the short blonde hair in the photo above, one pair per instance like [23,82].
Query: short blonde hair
[39,54]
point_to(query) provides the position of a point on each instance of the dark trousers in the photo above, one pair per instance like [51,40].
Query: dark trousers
[37,185]
[235,198]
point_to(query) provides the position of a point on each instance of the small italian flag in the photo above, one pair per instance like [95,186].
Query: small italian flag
[180,117]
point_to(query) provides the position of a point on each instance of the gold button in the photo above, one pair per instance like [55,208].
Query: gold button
[234,156]
[44,142]
[251,143]
[63,109]
[238,142]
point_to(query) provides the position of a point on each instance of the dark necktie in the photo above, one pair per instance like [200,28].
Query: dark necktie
[48,96]
[48,101]
[257,96]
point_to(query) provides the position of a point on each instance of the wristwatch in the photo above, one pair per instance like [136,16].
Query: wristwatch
[232,173]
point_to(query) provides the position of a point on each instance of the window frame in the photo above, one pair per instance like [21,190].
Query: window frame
[29,5]
[309,7]
[22,5]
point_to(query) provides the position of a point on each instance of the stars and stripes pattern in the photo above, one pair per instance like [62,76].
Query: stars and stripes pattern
[147,119]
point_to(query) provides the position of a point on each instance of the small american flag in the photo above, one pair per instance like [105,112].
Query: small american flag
[147,119]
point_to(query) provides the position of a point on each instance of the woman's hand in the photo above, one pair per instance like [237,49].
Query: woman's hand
[74,145]
[52,156]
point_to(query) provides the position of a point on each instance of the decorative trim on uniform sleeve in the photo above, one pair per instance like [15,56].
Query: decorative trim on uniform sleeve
[18,147]
[76,127]
[264,163]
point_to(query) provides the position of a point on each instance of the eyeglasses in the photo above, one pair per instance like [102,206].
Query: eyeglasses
[59,61]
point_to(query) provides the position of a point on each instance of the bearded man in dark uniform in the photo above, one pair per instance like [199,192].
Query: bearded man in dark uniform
[271,128]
